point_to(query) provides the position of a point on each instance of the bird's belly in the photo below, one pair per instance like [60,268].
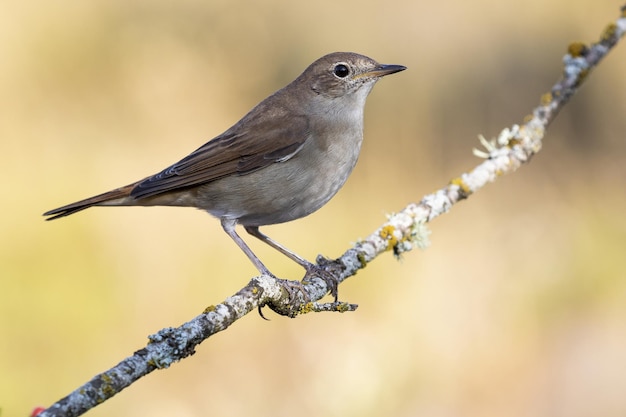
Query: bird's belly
[281,192]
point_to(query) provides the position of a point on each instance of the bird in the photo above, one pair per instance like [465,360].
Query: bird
[282,161]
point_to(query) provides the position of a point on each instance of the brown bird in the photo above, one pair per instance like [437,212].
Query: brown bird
[282,161]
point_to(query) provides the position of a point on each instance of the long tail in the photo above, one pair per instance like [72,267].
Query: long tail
[117,197]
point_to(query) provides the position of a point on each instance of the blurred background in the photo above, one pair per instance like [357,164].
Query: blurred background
[518,307]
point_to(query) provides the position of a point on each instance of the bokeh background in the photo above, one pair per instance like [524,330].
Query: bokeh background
[518,308]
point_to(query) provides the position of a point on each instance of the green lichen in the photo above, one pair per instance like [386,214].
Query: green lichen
[420,235]
[108,391]
[107,388]
[361,258]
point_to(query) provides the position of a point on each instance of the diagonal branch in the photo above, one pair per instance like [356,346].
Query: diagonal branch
[402,232]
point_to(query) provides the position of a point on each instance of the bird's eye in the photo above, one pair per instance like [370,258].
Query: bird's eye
[341,70]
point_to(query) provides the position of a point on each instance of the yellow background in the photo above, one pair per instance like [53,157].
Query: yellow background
[517,309]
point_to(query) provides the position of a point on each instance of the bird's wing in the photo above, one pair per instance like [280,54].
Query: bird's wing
[237,151]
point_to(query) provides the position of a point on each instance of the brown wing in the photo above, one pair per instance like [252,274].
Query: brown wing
[244,148]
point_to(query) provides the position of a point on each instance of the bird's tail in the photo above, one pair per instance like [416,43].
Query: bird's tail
[118,197]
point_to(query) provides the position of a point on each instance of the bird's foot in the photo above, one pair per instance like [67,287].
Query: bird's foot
[317,271]
[293,288]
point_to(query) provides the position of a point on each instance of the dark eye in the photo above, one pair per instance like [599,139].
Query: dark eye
[341,70]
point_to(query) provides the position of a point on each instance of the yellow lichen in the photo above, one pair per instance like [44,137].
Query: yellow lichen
[306,308]
[342,307]
[609,32]
[514,141]
[582,76]
[387,234]
[108,390]
[546,99]
[209,309]
[577,49]
[465,189]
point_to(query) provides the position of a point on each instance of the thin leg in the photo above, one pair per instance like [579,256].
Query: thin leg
[311,268]
[229,227]
[254,231]
[291,287]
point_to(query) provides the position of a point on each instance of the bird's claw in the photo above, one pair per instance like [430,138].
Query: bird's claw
[293,288]
[313,270]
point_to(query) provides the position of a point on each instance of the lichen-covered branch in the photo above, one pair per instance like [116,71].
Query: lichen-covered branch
[402,232]
[503,155]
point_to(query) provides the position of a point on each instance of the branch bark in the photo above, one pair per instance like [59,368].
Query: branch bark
[401,233]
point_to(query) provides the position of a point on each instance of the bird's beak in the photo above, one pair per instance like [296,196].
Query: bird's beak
[382,70]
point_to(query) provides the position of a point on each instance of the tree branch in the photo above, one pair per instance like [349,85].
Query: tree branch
[402,232]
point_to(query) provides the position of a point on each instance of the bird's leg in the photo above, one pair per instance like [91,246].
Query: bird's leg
[229,227]
[311,268]
[291,287]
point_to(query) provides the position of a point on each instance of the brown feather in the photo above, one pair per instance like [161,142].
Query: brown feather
[234,152]
[118,193]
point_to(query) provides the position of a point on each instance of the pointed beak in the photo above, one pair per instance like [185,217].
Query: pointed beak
[383,70]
